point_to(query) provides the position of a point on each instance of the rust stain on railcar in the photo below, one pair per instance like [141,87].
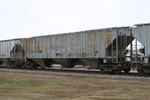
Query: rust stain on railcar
[50,47]
[30,46]
[109,37]
[102,36]
[26,45]
[23,44]
[35,45]
[40,45]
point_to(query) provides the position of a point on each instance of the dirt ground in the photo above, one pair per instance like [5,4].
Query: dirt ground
[19,86]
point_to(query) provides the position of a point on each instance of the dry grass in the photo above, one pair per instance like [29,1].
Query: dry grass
[17,86]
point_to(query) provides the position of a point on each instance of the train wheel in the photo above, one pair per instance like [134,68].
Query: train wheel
[32,66]
[102,70]
[18,65]
[126,70]
[117,71]
[140,71]
[1,62]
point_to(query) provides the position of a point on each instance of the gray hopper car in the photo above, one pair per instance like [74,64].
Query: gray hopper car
[103,48]
[141,32]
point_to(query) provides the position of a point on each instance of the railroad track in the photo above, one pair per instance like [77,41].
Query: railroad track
[78,73]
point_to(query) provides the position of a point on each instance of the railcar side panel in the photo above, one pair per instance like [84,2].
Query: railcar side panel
[12,52]
[44,46]
[79,45]
[90,44]
[141,33]
[69,55]
[34,48]
[84,45]
[6,48]
[53,46]
[148,39]
[96,45]
[38,48]
[59,47]
[102,44]
[74,46]
[0,50]
[48,46]
[32,43]
[64,46]
[28,52]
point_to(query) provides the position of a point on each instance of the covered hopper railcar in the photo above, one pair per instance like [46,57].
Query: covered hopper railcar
[141,32]
[103,48]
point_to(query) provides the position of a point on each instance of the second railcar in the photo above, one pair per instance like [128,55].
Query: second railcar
[141,32]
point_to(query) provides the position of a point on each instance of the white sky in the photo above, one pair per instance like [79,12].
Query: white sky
[26,18]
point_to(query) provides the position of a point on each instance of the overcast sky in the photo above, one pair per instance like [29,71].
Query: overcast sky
[26,18]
